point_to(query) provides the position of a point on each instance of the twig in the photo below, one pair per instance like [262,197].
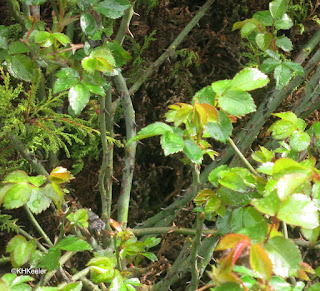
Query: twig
[28,236]
[194,21]
[37,226]
[163,230]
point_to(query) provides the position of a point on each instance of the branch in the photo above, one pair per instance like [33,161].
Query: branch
[130,150]
[35,164]
[164,230]
[194,21]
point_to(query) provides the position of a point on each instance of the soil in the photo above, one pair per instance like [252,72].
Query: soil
[159,180]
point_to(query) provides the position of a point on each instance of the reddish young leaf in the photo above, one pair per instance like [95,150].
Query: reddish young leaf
[212,112]
[239,249]
[260,262]
[231,240]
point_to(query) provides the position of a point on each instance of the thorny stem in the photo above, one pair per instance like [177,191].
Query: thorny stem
[130,150]
[163,230]
[242,157]
[76,277]
[37,226]
[194,21]
[197,238]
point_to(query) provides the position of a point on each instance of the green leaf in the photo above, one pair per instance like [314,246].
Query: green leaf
[237,102]
[21,67]
[112,8]
[68,73]
[17,196]
[286,166]
[229,286]
[151,256]
[88,24]
[260,262]
[222,130]
[311,234]
[120,55]
[263,40]
[269,65]
[289,184]
[295,67]
[171,143]
[51,260]
[263,156]
[18,47]
[282,74]
[220,86]
[16,177]
[281,129]
[289,116]
[79,218]
[212,204]
[284,22]
[78,98]
[285,256]
[43,39]
[269,204]
[20,250]
[157,128]
[230,197]
[38,180]
[214,175]
[38,201]
[102,269]
[237,179]
[192,151]
[60,175]
[90,64]
[62,38]
[299,141]
[53,192]
[76,286]
[249,27]
[315,193]
[257,232]
[284,43]
[205,95]
[264,17]
[299,210]
[249,79]
[64,84]
[95,89]
[278,8]
[3,191]
[74,244]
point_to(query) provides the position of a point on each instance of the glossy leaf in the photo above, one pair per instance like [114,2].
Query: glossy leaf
[288,184]
[237,179]
[231,240]
[20,250]
[249,79]
[263,156]
[269,65]
[88,24]
[214,175]
[295,67]
[205,96]
[21,67]
[257,232]
[212,204]
[74,244]
[78,98]
[79,218]
[60,175]
[230,197]
[311,234]
[120,55]
[260,262]
[282,74]
[278,8]
[157,128]
[248,28]
[192,151]
[284,43]
[269,204]
[299,210]
[18,47]
[264,17]
[17,196]
[299,141]
[285,256]
[16,177]
[286,166]
[96,89]
[182,114]
[220,86]
[102,269]
[38,201]
[203,196]
[171,143]
[237,102]
[62,38]
[112,8]
[263,40]
[221,130]
[281,129]
[284,22]
[38,180]
[43,39]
